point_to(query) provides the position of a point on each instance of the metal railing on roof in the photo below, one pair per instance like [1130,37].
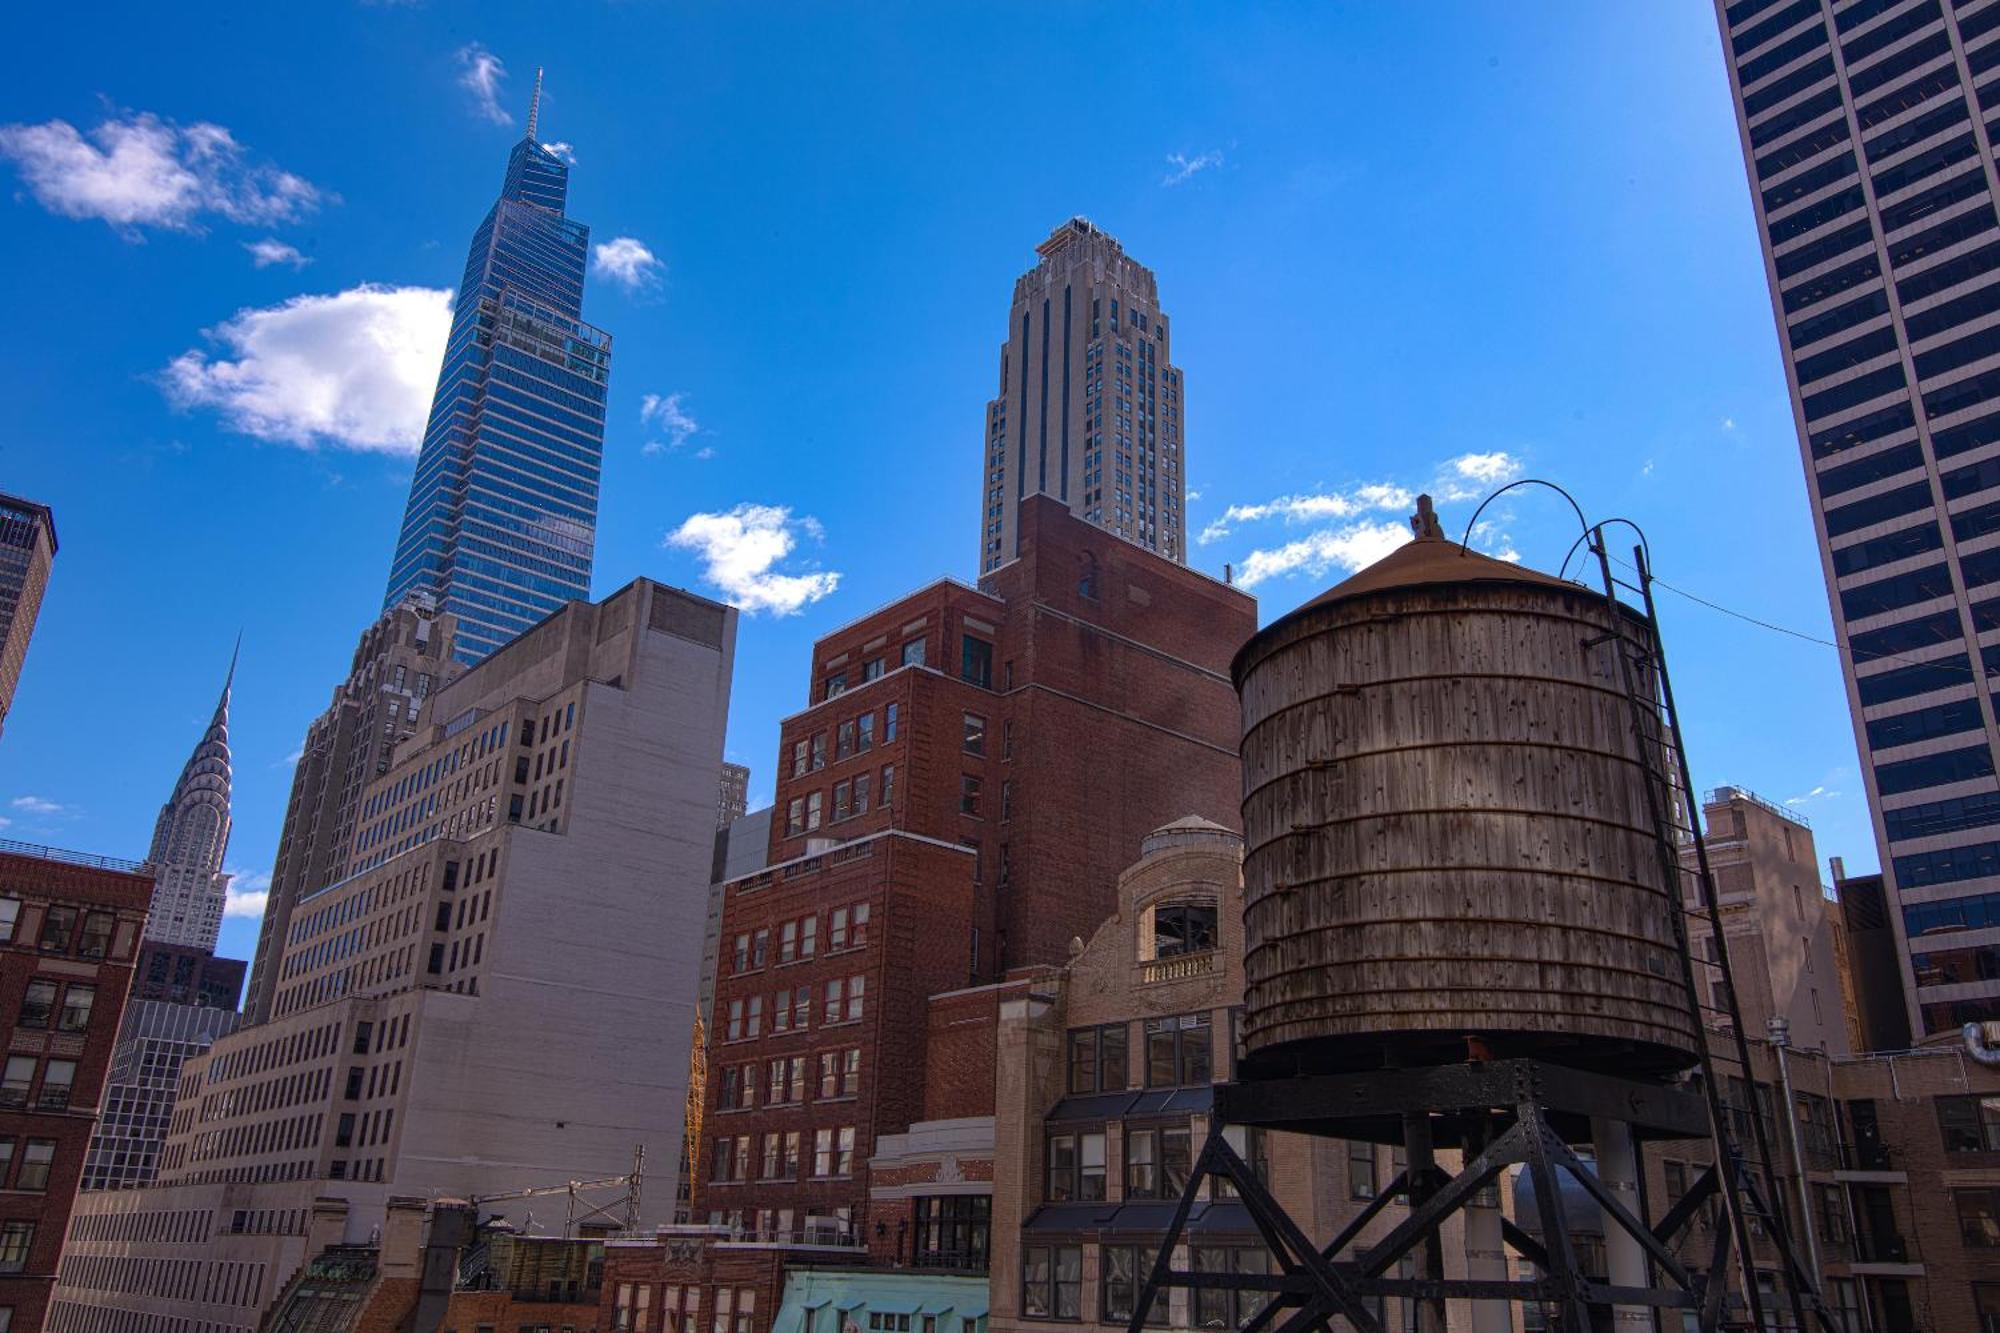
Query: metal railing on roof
[1722,795]
[71,858]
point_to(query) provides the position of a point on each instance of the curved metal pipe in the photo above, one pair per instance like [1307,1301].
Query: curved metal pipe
[1976,1046]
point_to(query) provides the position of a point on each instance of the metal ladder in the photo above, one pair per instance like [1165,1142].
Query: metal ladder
[1741,1178]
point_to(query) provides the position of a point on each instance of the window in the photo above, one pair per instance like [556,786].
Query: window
[880,1321]
[18,1078]
[968,795]
[1978,1217]
[1224,1308]
[734,1030]
[888,784]
[836,684]
[953,1231]
[15,1240]
[859,937]
[1158,1161]
[840,1073]
[795,816]
[343,1134]
[38,1001]
[10,916]
[732,1092]
[760,948]
[96,939]
[813,810]
[1970,1124]
[1183,928]
[753,1022]
[843,800]
[861,784]
[864,739]
[798,759]
[1097,1059]
[888,724]
[1832,1202]
[818,751]
[1074,1167]
[833,1152]
[56,928]
[1122,1270]
[788,1081]
[1986,1298]
[843,745]
[1177,1051]
[1006,740]
[781,1155]
[975,734]
[809,936]
[57,1081]
[742,954]
[1052,1282]
[844,999]
[836,929]
[913,653]
[976,662]
[871,669]
[77,1002]
[1361,1170]
[802,1007]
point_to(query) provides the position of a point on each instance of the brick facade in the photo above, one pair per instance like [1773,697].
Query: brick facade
[71,929]
[1015,743]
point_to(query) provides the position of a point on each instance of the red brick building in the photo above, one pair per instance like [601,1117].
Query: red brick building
[70,927]
[973,769]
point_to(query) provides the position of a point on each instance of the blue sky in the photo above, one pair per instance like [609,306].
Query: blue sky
[1389,238]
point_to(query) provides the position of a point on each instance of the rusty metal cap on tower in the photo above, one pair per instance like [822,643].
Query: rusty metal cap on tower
[1431,559]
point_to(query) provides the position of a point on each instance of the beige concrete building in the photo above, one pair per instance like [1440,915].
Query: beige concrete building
[1782,927]
[499,994]
[1104,1083]
[1091,407]
[27,548]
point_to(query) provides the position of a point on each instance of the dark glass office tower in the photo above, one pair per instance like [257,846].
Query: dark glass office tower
[502,518]
[1868,129]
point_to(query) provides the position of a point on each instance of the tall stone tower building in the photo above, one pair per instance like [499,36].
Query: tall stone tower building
[1864,129]
[1090,408]
[27,548]
[400,662]
[191,837]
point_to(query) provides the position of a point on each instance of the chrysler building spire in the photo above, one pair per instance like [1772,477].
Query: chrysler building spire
[192,836]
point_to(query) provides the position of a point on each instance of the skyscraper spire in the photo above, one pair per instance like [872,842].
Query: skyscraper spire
[535,106]
[192,836]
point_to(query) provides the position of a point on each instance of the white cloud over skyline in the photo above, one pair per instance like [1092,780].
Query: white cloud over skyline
[1182,168]
[669,415]
[741,550]
[248,891]
[270,251]
[353,370]
[139,170]
[1354,532]
[480,74]
[626,261]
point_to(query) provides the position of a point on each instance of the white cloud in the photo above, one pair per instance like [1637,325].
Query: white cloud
[1822,792]
[627,262]
[564,151]
[268,251]
[248,891]
[1474,476]
[1352,531]
[1183,168]
[1729,423]
[1362,499]
[1347,549]
[672,418]
[143,171]
[37,805]
[354,370]
[704,453]
[741,550]
[480,73]
[1193,494]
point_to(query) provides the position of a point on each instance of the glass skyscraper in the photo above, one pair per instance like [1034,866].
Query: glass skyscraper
[1868,133]
[502,518]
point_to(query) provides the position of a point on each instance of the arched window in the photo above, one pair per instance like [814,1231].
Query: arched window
[1183,926]
[1086,579]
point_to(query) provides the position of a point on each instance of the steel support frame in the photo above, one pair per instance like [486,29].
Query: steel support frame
[1533,1110]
